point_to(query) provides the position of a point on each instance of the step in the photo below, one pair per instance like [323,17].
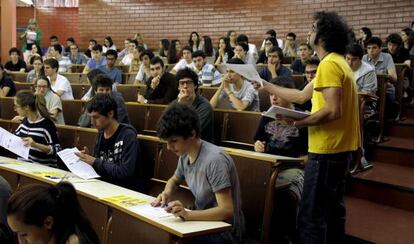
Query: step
[394,150]
[392,174]
[378,223]
[388,184]
[403,129]
[408,112]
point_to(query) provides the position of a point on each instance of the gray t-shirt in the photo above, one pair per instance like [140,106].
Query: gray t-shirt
[383,64]
[212,172]
[246,93]
[53,102]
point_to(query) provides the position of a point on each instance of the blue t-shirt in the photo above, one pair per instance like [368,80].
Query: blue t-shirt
[93,64]
[282,71]
[114,74]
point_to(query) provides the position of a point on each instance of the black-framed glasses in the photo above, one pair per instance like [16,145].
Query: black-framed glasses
[313,27]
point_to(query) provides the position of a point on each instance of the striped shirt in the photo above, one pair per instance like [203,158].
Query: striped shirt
[208,75]
[42,131]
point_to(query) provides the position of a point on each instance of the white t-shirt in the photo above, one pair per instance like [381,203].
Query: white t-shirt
[127,60]
[104,49]
[183,64]
[63,84]
[251,55]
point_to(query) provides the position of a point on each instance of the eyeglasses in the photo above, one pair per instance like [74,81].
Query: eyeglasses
[313,27]
[37,63]
[38,86]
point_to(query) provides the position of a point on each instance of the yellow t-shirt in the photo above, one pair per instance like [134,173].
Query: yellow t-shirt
[343,134]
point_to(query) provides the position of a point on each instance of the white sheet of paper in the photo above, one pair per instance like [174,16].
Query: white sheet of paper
[14,144]
[248,71]
[75,165]
[290,113]
[148,210]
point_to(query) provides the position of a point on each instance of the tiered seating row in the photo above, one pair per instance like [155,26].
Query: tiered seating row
[257,172]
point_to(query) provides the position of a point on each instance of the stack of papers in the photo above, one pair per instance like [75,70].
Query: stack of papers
[75,165]
[248,71]
[14,144]
[153,212]
[290,113]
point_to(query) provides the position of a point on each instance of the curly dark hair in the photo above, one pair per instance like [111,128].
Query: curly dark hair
[103,104]
[188,73]
[332,31]
[178,120]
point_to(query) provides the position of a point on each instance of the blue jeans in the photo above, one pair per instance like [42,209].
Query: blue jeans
[322,212]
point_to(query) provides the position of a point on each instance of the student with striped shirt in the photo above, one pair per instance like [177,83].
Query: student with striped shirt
[36,129]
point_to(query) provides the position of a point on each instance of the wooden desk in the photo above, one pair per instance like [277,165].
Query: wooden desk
[257,176]
[112,222]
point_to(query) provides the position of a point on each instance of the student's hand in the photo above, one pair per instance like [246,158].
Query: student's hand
[161,200]
[226,82]
[141,98]
[85,157]
[221,51]
[259,146]
[184,96]
[155,81]
[258,86]
[28,142]
[177,208]
[17,119]
[272,68]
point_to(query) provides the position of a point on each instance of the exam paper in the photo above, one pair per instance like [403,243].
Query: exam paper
[290,113]
[248,71]
[148,210]
[14,144]
[75,165]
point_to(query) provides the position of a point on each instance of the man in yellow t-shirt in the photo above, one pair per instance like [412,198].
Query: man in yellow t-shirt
[333,131]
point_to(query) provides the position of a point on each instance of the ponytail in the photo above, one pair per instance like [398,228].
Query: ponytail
[40,104]
[36,102]
[71,213]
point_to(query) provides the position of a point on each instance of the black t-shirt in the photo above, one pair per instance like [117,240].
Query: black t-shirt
[88,53]
[106,148]
[307,106]
[165,92]
[282,139]
[298,67]
[7,82]
[15,67]
[401,56]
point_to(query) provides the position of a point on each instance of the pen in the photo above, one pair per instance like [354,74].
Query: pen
[166,205]
[52,177]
